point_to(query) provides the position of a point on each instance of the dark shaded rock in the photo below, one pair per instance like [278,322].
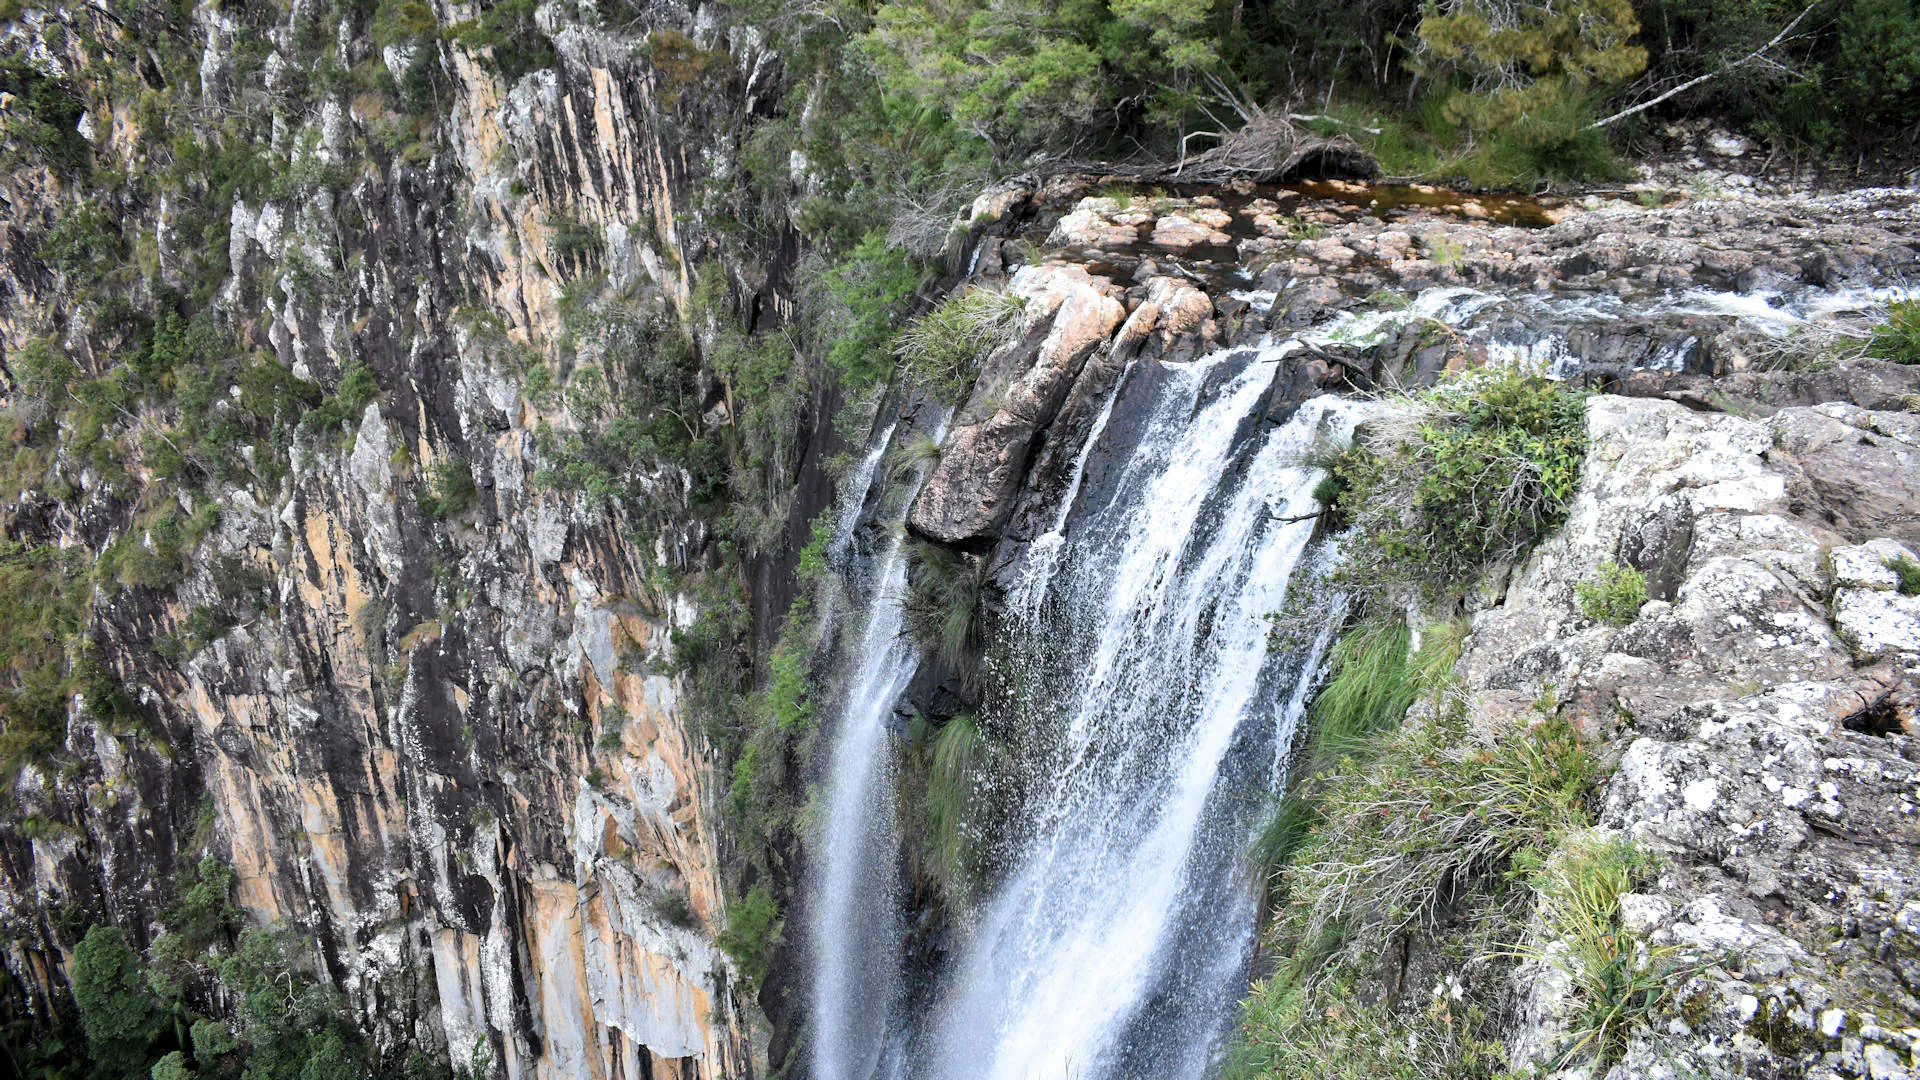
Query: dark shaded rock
[1656,544]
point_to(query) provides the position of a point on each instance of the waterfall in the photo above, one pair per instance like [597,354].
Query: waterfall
[855,930]
[1153,708]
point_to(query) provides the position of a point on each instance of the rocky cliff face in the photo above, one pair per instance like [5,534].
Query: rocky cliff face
[417,682]
[1761,708]
[441,734]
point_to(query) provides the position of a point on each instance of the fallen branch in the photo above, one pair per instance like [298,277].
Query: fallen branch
[1308,118]
[1691,83]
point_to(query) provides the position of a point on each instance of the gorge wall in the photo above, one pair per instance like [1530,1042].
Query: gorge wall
[443,738]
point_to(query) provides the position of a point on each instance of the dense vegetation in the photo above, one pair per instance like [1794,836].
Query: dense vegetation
[1447,482]
[210,997]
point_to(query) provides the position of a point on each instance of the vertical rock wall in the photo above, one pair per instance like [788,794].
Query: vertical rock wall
[452,750]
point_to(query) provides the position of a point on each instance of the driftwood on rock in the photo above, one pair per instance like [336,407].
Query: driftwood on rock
[1266,147]
[1269,147]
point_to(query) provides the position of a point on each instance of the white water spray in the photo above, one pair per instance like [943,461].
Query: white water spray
[1119,937]
[855,929]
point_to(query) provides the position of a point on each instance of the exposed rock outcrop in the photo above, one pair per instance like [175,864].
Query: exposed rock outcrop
[446,744]
[1763,711]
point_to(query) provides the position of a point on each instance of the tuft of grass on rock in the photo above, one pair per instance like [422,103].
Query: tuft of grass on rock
[1615,595]
[1898,339]
[1908,572]
[944,348]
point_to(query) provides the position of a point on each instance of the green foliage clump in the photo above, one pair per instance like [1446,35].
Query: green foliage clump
[1377,676]
[943,349]
[450,491]
[947,815]
[291,1025]
[1908,573]
[860,308]
[1460,477]
[84,243]
[46,595]
[679,63]
[1614,596]
[347,402]
[512,38]
[574,243]
[1898,338]
[752,932]
[941,608]
[140,1015]
[1848,73]
[44,117]
[120,1017]
[1523,58]
[1024,74]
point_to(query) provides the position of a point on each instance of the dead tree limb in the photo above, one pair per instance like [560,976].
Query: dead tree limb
[1756,54]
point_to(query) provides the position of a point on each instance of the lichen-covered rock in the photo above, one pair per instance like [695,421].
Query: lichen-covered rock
[1763,720]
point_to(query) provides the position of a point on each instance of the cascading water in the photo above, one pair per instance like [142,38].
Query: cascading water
[856,927]
[1151,717]
[1153,706]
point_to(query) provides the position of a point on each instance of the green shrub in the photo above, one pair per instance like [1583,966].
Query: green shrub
[450,492]
[1025,75]
[753,929]
[789,690]
[574,243]
[1525,59]
[675,909]
[347,402]
[1455,479]
[1898,338]
[121,1019]
[44,117]
[859,310]
[512,37]
[943,349]
[1614,596]
[84,243]
[1908,572]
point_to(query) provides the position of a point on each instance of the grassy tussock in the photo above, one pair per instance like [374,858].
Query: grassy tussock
[1578,894]
[942,606]
[943,349]
[944,780]
[1399,828]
